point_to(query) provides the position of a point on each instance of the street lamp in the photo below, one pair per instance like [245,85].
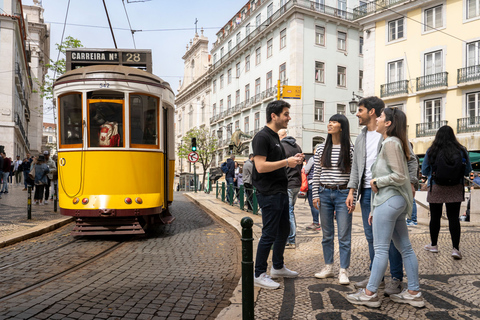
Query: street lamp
[353,105]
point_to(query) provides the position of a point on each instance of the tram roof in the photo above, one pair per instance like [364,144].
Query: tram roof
[113,73]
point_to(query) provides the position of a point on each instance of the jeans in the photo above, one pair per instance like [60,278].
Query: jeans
[389,224]
[25,176]
[276,227]
[396,267]
[5,181]
[292,199]
[18,177]
[414,212]
[332,204]
[314,211]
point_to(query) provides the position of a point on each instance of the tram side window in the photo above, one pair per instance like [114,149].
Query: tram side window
[105,123]
[144,120]
[71,120]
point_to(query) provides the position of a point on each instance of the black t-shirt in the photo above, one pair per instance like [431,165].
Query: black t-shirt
[266,143]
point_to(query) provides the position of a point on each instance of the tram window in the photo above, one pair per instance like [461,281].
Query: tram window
[70,120]
[105,123]
[144,121]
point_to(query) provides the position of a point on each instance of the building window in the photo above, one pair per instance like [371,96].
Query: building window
[229,45]
[257,86]
[282,74]
[237,97]
[229,131]
[341,76]
[190,117]
[214,86]
[237,125]
[221,81]
[473,54]
[433,62]
[341,109]
[221,52]
[238,38]
[247,92]
[360,80]
[283,38]
[433,18]
[214,109]
[229,76]
[342,8]
[229,102]
[433,111]
[395,29]
[214,58]
[473,8]
[473,106]
[247,29]
[341,41]
[247,63]
[320,35]
[221,106]
[258,56]
[319,72]
[202,106]
[258,20]
[398,106]
[269,48]
[269,10]
[269,80]
[256,124]
[360,46]
[395,71]
[246,125]
[50,139]
[319,111]
[237,71]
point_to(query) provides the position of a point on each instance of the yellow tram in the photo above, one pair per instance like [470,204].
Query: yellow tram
[115,140]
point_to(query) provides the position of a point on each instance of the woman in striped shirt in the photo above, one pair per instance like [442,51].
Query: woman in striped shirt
[333,161]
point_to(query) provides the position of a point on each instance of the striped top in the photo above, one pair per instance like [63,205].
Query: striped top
[329,175]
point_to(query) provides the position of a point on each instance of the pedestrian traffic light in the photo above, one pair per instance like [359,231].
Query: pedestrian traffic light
[194,144]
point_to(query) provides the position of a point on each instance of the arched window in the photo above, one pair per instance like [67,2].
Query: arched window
[316,141]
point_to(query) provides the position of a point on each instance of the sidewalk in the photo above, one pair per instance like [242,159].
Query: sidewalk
[451,287]
[14,225]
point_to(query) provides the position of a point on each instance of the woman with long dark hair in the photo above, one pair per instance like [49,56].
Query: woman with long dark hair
[451,159]
[333,161]
[392,201]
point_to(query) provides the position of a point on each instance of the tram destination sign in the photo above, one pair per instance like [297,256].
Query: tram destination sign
[77,58]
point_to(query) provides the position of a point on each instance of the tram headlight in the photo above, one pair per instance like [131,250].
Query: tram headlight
[128,200]
[138,200]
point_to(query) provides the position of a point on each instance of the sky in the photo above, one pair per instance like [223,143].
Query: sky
[167,27]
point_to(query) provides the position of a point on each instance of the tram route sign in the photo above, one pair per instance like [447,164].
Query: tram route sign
[82,57]
[193,157]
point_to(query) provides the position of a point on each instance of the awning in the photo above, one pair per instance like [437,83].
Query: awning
[473,155]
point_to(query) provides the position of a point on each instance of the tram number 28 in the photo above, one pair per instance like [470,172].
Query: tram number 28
[133,57]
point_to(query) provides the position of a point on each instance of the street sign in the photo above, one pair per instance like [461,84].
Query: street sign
[193,157]
[292,92]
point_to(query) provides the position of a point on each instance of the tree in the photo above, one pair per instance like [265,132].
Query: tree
[206,147]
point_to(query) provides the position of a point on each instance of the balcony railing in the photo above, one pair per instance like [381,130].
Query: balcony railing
[19,124]
[394,88]
[374,6]
[468,74]
[432,81]
[470,124]
[427,129]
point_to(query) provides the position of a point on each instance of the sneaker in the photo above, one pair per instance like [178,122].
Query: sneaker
[264,281]
[45,202]
[415,223]
[36,202]
[394,286]
[6,192]
[431,248]
[343,277]
[314,227]
[407,297]
[284,272]
[290,246]
[327,272]
[361,298]
[411,223]
[456,254]
[364,283]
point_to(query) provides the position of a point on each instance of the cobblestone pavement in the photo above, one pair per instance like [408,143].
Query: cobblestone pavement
[187,270]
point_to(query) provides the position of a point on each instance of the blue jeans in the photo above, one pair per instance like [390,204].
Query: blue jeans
[332,204]
[396,266]
[389,224]
[310,202]
[5,181]
[276,227]
[292,199]
[414,212]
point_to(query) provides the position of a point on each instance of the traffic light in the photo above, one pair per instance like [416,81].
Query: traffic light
[194,144]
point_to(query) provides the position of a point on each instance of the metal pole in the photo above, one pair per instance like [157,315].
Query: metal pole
[195,176]
[54,197]
[223,191]
[241,196]
[247,269]
[110,24]
[29,203]
[278,89]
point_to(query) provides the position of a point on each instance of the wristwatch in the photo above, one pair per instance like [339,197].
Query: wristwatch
[375,183]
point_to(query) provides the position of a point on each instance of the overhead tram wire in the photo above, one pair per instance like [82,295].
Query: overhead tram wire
[110,24]
[133,31]
[126,29]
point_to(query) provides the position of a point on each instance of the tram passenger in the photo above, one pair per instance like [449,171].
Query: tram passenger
[41,170]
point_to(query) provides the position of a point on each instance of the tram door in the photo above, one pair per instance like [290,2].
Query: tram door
[105,123]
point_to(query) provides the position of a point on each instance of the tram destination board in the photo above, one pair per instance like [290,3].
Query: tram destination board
[82,57]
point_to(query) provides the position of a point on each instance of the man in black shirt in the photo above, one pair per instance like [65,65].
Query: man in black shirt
[270,179]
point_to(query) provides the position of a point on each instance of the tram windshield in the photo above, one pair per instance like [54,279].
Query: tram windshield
[71,120]
[144,120]
[105,121]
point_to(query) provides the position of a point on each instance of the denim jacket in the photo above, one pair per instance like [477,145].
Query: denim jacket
[41,171]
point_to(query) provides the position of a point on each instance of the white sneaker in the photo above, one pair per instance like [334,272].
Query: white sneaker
[45,202]
[361,298]
[284,272]
[343,277]
[327,272]
[407,297]
[264,281]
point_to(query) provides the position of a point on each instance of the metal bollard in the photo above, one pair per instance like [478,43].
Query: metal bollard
[223,191]
[247,269]
[255,202]
[29,203]
[54,198]
[241,201]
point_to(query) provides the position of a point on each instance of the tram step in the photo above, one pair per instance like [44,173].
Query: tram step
[94,226]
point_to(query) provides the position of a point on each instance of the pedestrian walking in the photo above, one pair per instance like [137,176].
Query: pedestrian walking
[41,171]
[333,162]
[309,169]
[270,180]
[52,169]
[445,164]
[7,165]
[17,170]
[230,175]
[367,146]
[1,172]
[247,180]
[27,163]
[392,202]
[294,176]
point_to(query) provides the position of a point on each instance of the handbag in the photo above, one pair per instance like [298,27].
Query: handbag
[304,187]
[31,174]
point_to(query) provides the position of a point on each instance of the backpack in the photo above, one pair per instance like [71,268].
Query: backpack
[224,167]
[448,173]
[108,136]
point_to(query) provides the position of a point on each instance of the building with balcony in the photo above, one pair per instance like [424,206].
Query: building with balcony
[312,44]
[424,57]
[49,138]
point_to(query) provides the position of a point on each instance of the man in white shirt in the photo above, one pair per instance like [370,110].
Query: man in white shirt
[16,170]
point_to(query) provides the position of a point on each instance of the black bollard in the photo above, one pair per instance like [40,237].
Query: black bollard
[247,269]
[54,198]
[29,203]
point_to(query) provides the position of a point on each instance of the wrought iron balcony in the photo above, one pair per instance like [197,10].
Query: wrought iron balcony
[19,124]
[394,88]
[374,6]
[432,81]
[470,124]
[468,74]
[427,129]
